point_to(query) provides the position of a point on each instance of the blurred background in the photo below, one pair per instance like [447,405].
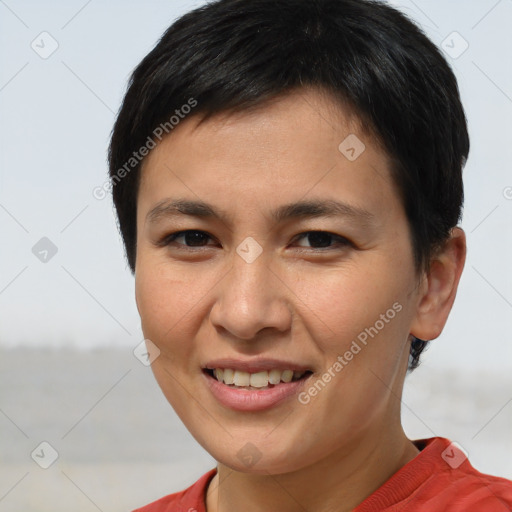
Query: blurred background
[68,321]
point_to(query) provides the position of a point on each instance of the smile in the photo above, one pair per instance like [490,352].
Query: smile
[254,388]
[257,380]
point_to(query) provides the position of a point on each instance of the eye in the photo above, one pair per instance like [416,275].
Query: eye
[187,238]
[321,240]
[311,239]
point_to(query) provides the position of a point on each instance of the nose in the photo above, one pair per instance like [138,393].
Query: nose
[251,298]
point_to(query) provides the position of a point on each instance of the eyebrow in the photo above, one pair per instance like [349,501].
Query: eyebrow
[301,209]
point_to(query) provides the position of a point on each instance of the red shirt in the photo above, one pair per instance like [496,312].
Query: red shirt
[439,479]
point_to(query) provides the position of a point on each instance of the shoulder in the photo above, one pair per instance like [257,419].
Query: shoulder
[456,486]
[473,491]
[439,478]
[190,499]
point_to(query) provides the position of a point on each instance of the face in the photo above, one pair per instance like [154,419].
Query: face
[271,246]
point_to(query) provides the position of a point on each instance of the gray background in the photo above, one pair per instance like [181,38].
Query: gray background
[68,325]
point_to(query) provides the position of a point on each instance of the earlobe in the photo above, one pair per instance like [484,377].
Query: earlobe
[439,287]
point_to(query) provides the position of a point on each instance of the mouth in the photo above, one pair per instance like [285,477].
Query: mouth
[256,381]
[255,385]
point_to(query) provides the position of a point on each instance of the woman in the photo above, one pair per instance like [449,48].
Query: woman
[287,176]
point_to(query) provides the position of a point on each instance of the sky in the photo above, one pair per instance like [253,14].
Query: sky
[64,66]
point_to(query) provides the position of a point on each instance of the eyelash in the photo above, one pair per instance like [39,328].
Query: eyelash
[338,240]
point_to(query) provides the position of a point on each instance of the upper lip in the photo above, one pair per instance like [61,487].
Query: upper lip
[255,365]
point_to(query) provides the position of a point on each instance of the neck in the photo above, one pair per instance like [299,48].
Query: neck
[338,482]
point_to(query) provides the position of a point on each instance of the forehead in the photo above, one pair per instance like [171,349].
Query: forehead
[297,144]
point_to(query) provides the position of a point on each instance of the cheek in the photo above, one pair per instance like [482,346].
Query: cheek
[166,307]
[173,302]
[341,303]
[153,301]
[163,302]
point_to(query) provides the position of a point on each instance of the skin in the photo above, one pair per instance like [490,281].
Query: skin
[295,302]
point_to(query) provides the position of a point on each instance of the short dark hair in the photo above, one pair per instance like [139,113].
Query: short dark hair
[231,55]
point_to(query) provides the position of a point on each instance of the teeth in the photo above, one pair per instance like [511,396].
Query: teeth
[242,378]
[274,376]
[255,380]
[287,376]
[259,380]
[229,376]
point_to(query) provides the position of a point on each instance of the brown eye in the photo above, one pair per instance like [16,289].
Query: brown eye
[320,239]
[188,238]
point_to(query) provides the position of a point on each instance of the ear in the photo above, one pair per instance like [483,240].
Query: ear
[439,287]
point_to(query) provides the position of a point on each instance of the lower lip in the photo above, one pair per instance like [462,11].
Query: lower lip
[252,400]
